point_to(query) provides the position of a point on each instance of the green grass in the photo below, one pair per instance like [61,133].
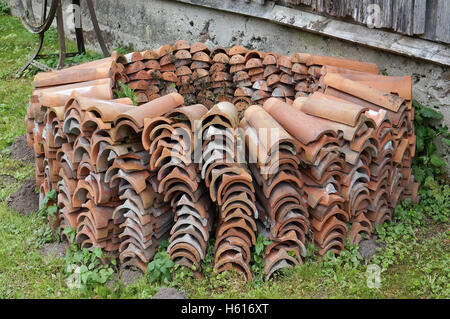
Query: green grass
[415,263]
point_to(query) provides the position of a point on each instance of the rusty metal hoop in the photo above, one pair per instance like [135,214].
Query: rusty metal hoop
[55,9]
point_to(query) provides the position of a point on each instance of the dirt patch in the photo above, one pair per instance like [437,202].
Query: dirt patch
[433,229]
[5,180]
[25,200]
[130,276]
[169,293]
[368,248]
[20,150]
[53,250]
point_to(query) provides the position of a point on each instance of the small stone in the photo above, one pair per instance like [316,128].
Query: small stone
[130,276]
[368,248]
[169,293]
[53,250]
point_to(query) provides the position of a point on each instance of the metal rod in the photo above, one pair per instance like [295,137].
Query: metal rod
[79,28]
[61,36]
[97,28]
[35,54]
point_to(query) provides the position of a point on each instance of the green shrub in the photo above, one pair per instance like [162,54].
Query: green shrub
[426,162]
[85,269]
[160,268]
[4,8]
[124,91]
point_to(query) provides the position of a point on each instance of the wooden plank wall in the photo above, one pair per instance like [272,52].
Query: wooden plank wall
[428,19]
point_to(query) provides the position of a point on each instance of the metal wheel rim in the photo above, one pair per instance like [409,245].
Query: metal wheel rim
[27,15]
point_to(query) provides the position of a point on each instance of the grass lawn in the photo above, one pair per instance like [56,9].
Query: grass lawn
[415,262]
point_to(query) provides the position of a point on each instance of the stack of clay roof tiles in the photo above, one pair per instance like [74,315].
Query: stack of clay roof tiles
[282,206]
[145,218]
[170,141]
[328,149]
[230,185]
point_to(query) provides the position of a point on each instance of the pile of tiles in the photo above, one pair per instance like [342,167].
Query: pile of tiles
[298,149]
[231,187]
[283,211]
[170,141]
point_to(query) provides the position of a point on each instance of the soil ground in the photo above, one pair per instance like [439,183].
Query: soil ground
[25,200]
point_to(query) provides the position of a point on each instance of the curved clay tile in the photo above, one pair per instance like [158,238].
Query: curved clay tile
[236,68]
[187,242]
[202,57]
[258,118]
[218,67]
[181,45]
[183,55]
[243,92]
[276,260]
[136,179]
[221,58]
[318,104]
[164,50]
[363,91]
[123,129]
[314,127]
[234,203]
[361,228]
[57,96]
[151,109]
[150,55]
[237,59]
[224,109]
[200,74]
[331,225]
[299,68]
[221,76]
[183,70]
[270,59]
[401,85]
[199,46]
[134,57]
[218,50]
[310,59]
[186,220]
[240,76]
[192,113]
[255,71]
[257,77]
[253,63]
[269,70]
[254,54]
[199,65]
[225,248]
[231,261]
[273,79]
[237,50]
[284,61]
[288,239]
[191,231]
[261,85]
[201,207]
[134,67]
[236,215]
[99,69]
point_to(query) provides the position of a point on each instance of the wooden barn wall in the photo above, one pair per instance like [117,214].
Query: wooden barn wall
[428,19]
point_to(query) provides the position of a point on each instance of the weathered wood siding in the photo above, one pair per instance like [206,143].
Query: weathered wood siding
[428,19]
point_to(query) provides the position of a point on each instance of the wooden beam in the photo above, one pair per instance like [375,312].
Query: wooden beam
[387,41]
